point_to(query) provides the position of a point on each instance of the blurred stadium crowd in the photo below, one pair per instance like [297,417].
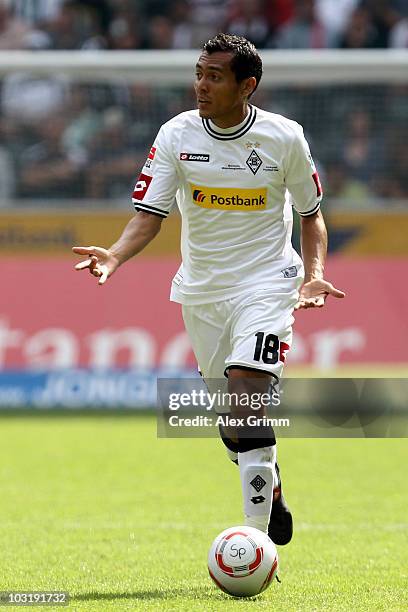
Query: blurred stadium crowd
[183,24]
[60,139]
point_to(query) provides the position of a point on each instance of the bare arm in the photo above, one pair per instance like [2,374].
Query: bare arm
[313,242]
[140,230]
[314,249]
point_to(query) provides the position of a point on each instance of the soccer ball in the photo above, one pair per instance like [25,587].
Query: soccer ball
[242,561]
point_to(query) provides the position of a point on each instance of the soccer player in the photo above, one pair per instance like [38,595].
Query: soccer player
[236,172]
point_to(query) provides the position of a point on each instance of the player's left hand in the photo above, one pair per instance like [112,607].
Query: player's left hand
[314,294]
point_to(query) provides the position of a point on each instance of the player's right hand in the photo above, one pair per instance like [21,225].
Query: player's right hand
[100,262]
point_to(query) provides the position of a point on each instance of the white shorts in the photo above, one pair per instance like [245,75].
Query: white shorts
[252,331]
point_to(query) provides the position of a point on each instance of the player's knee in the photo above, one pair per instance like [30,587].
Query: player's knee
[242,378]
[249,392]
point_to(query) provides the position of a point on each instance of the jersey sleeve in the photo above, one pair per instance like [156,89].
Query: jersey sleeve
[157,184]
[302,179]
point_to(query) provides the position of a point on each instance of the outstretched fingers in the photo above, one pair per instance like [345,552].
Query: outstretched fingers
[310,303]
[104,277]
[83,264]
[90,250]
[80,250]
[95,262]
[335,292]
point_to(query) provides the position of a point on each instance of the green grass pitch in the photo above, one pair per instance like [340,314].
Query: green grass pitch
[99,507]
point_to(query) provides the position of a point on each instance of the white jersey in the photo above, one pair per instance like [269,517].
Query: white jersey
[235,189]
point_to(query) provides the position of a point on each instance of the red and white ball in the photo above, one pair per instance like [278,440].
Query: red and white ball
[242,561]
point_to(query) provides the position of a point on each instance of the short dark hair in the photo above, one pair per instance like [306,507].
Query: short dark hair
[246,61]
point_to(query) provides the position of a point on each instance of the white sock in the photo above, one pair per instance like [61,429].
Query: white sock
[257,471]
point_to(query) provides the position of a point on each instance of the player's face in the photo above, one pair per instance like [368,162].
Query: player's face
[219,96]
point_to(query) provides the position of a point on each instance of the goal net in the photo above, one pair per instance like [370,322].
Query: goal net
[78,125]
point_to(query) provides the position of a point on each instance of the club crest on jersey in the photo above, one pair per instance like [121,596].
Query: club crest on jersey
[196,157]
[223,198]
[152,153]
[254,162]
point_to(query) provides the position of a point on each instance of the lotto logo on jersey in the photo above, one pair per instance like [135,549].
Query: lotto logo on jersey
[142,186]
[228,198]
[196,157]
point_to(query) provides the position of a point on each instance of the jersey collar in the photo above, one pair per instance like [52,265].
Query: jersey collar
[234,132]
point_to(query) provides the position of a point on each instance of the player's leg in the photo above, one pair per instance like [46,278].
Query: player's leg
[209,329]
[261,334]
[255,443]
[280,522]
